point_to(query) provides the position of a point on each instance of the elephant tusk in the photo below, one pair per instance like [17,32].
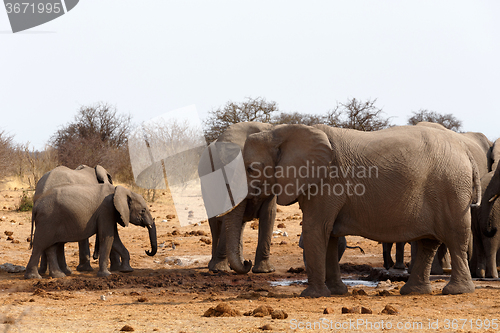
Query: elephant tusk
[493,198]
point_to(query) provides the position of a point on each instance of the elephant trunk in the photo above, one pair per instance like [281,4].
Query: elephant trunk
[152,239]
[234,224]
[489,197]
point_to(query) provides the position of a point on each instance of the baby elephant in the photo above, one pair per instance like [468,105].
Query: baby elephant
[75,212]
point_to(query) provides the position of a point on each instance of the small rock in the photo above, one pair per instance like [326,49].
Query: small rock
[8,233]
[262,311]
[279,314]
[164,220]
[366,310]
[384,293]
[142,299]
[10,238]
[328,311]
[282,225]
[15,241]
[254,225]
[360,292]
[390,310]
[266,327]
[283,243]
[384,284]
[28,239]
[206,240]
[170,216]
[279,210]
[222,310]
[134,293]
[127,328]
[285,234]
[355,309]
[295,270]
[103,298]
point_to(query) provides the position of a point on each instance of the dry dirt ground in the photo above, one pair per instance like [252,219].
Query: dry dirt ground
[172,291]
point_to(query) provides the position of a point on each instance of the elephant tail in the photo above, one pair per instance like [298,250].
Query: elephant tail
[476,181]
[356,247]
[32,227]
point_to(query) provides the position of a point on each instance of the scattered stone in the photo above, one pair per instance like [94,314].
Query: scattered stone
[285,234]
[384,293]
[15,241]
[222,310]
[103,298]
[262,311]
[328,311]
[296,270]
[279,314]
[28,239]
[366,310]
[10,238]
[283,243]
[279,210]
[127,328]
[266,327]
[134,293]
[8,233]
[254,225]
[11,268]
[175,232]
[252,295]
[142,299]
[21,223]
[390,310]
[355,309]
[360,292]
[281,225]
[384,284]
[170,216]
[206,240]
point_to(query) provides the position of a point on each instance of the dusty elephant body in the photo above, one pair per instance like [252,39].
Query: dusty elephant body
[75,212]
[226,230]
[61,176]
[416,172]
[489,220]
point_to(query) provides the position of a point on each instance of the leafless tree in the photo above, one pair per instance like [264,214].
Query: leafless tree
[447,120]
[6,154]
[252,109]
[298,118]
[359,115]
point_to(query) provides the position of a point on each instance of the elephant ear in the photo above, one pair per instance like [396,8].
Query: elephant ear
[102,175]
[121,200]
[303,154]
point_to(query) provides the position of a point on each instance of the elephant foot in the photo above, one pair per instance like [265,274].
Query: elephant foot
[493,274]
[32,275]
[400,265]
[125,268]
[103,273]
[459,287]
[42,270]
[57,274]
[338,288]
[67,271]
[389,264]
[85,267]
[311,291]
[218,265]
[425,288]
[263,266]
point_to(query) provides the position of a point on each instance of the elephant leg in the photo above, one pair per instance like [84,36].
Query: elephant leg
[32,266]
[43,263]
[267,216]
[418,281]
[61,259]
[386,253]
[54,269]
[436,268]
[400,256]
[490,248]
[119,250]
[333,279]
[115,260]
[105,232]
[84,256]
[460,280]
[315,247]
[219,261]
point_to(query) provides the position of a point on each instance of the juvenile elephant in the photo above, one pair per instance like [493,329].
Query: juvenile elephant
[265,211]
[83,174]
[75,212]
[489,217]
[399,184]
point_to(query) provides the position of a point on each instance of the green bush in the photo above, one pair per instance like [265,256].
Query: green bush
[26,202]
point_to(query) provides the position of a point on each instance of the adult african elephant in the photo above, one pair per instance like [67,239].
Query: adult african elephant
[489,221]
[83,174]
[398,184]
[265,211]
[75,212]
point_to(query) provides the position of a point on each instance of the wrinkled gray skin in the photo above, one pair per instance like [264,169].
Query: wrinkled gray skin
[386,254]
[75,212]
[416,171]
[83,174]
[489,217]
[227,230]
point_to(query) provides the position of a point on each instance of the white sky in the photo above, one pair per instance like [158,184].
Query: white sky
[150,57]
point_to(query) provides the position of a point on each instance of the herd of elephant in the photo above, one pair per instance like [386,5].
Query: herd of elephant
[429,186]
